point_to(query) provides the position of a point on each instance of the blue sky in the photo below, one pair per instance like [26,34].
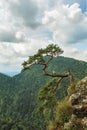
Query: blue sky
[83,3]
[27,25]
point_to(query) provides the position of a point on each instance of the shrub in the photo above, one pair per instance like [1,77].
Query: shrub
[62,115]
[63,111]
[71,89]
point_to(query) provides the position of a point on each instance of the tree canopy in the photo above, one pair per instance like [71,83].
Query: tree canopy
[51,50]
[43,57]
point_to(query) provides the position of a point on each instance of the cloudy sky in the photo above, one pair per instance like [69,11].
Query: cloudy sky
[27,25]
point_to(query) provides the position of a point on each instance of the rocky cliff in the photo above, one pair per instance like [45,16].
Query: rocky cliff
[71,112]
[78,101]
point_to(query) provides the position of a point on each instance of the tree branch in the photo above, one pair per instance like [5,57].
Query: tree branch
[69,74]
[53,75]
[55,88]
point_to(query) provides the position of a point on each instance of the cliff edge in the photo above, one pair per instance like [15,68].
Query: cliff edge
[78,100]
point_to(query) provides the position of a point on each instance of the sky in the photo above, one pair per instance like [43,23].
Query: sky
[27,25]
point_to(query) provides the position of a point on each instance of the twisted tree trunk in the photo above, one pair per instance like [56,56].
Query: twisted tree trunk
[69,74]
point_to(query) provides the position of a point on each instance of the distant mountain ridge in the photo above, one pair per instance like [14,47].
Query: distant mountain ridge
[18,94]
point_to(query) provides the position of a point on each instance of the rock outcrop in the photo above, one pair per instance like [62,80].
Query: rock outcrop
[78,101]
[71,112]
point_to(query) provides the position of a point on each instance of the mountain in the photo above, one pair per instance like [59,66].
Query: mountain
[18,94]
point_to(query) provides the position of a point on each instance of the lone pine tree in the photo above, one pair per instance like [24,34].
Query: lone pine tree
[43,57]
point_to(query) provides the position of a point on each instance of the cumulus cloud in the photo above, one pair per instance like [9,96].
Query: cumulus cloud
[22,31]
[13,55]
[20,19]
[67,23]
[6,36]
[26,11]
[12,36]
[72,52]
[83,3]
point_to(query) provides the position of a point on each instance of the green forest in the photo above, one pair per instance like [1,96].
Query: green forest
[22,104]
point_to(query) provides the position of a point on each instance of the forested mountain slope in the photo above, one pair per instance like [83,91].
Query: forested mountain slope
[18,94]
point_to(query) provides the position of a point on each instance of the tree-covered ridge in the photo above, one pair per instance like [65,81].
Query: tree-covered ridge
[18,94]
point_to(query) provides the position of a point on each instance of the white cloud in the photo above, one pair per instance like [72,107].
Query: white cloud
[69,27]
[13,55]
[22,32]
[72,52]
[68,23]
[20,16]
[20,36]
[25,11]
